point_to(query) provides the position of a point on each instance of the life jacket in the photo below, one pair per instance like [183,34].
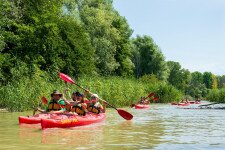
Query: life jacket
[78,109]
[68,107]
[53,105]
[94,108]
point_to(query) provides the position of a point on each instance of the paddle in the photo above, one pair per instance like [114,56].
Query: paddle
[150,95]
[126,115]
[155,98]
[43,102]
[208,104]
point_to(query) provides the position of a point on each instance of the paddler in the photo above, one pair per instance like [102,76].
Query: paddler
[95,106]
[56,105]
[76,105]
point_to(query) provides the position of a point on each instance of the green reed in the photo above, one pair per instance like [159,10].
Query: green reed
[25,93]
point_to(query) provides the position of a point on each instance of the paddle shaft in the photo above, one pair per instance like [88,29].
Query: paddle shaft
[35,109]
[126,115]
[67,88]
[209,104]
[98,97]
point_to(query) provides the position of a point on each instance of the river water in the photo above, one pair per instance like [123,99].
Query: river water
[159,127]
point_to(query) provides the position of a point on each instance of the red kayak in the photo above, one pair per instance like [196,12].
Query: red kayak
[194,102]
[183,104]
[180,104]
[66,121]
[33,119]
[141,106]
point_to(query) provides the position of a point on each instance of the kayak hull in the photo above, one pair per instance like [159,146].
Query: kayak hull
[32,119]
[67,121]
[180,104]
[140,106]
[183,104]
[194,102]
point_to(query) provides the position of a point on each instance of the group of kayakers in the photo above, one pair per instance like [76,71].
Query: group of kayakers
[186,101]
[78,104]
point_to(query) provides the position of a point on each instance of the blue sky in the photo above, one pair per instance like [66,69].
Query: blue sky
[191,32]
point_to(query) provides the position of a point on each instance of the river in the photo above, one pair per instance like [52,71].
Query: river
[162,126]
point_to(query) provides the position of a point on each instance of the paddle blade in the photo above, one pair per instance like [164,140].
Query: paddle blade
[126,115]
[151,94]
[44,100]
[156,98]
[66,78]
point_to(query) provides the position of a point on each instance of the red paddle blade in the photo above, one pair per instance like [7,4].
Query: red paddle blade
[126,115]
[156,98]
[44,100]
[151,94]
[66,78]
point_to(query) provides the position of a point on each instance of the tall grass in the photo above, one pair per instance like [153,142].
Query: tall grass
[25,93]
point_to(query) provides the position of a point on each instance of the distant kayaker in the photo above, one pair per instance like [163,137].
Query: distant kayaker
[95,105]
[56,105]
[143,101]
[184,101]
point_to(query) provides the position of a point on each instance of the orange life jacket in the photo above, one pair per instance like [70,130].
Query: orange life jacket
[68,107]
[53,105]
[93,108]
[78,109]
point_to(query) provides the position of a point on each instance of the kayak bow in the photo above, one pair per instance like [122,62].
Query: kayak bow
[141,106]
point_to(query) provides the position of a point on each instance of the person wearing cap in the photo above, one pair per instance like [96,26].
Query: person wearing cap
[95,106]
[79,107]
[72,101]
[76,105]
[56,105]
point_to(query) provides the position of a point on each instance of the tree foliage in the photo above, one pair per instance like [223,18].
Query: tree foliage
[109,33]
[178,77]
[43,33]
[148,58]
[221,81]
[78,37]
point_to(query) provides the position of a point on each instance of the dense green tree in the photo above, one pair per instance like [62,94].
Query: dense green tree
[196,78]
[207,79]
[10,14]
[178,77]
[148,58]
[123,46]
[48,33]
[210,80]
[197,88]
[109,33]
[221,81]
[214,82]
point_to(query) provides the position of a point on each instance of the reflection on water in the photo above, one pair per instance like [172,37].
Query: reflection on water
[80,137]
[159,127]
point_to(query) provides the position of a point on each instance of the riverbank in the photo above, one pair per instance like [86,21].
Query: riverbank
[2,110]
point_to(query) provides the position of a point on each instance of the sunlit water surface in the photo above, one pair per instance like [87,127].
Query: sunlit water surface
[159,127]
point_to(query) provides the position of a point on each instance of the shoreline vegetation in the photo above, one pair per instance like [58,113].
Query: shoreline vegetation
[26,93]
[90,41]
